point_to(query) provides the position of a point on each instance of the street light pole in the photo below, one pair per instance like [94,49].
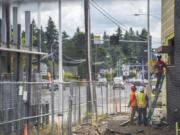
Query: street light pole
[60,46]
[149,43]
[60,63]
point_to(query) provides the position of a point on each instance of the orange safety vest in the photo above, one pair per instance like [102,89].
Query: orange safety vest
[133,100]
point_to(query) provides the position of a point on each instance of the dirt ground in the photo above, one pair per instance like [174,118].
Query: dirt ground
[111,126]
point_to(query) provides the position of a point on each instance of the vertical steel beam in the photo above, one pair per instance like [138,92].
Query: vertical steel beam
[18,64]
[0,31]
[29,109]
[4,28]
[15,25]
[27,27]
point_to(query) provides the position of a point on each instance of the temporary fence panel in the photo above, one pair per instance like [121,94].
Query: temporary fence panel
[36,106]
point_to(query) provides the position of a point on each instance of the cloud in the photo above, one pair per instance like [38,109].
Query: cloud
[121,10]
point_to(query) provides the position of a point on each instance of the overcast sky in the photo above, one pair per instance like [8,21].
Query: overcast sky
[122,10]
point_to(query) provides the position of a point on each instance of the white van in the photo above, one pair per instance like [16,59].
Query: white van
[118,83]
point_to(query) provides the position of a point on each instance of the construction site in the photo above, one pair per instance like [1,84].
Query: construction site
[89,67]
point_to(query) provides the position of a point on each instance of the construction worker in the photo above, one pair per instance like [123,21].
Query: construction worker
[159,69]
[133,103]
[142,103]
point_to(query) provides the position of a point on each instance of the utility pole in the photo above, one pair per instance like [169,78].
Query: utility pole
[60,63]
[88,50]
[149,41]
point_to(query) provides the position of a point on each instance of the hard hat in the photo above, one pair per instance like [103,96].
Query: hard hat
[141,89]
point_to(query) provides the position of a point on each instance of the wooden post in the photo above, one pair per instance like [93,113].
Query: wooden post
[88,52]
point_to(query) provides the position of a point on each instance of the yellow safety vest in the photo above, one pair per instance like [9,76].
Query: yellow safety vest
[141,100]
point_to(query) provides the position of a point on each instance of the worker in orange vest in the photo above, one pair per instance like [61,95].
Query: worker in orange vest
[25,130]
[132,103]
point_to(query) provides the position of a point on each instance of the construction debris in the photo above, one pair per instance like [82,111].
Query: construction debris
[111,126]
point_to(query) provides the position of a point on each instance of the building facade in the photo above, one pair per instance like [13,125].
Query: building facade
[171,52]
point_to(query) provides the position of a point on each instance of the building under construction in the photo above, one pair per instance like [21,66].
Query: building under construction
[18,63]
[171,52]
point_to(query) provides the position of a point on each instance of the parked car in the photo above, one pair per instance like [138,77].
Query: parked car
[102,82]
[118,83]
[138,82]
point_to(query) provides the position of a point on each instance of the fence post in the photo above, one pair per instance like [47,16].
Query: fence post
[107,98]
[95,100]
[52,107]
[110,98]
[62,124]
[75,104]
[120,100]
[79,104]
[114,101]
[70,117]
[102,98]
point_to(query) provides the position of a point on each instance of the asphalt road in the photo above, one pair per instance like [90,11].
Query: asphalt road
[117,100]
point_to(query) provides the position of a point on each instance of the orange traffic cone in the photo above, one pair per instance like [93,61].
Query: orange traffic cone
[25,130]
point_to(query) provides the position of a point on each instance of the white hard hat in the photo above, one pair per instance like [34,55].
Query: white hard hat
[141,88]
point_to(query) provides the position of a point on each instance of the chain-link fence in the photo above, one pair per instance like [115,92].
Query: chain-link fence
[40,108]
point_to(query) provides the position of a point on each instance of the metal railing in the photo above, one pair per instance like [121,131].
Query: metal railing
[55,108]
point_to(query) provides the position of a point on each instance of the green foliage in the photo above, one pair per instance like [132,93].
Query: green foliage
[51,39]
[35,34]
[108,76]
[74,48]
[23,39]
[68,76]
[45,130]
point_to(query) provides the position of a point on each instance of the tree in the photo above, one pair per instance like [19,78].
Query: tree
[114,39]
[51,38]
[23,40]
[125,46]
[144,35]
[119,33]
[105,39]
[64,35]
[34,33]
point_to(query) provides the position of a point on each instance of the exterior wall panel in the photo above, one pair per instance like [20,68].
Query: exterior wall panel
[173,73]
[167,20]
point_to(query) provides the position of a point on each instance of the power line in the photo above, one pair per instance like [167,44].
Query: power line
[110,17]
[97,4]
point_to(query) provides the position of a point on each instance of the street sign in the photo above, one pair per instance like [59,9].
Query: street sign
[44,69]
[125,70]
[97,40]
